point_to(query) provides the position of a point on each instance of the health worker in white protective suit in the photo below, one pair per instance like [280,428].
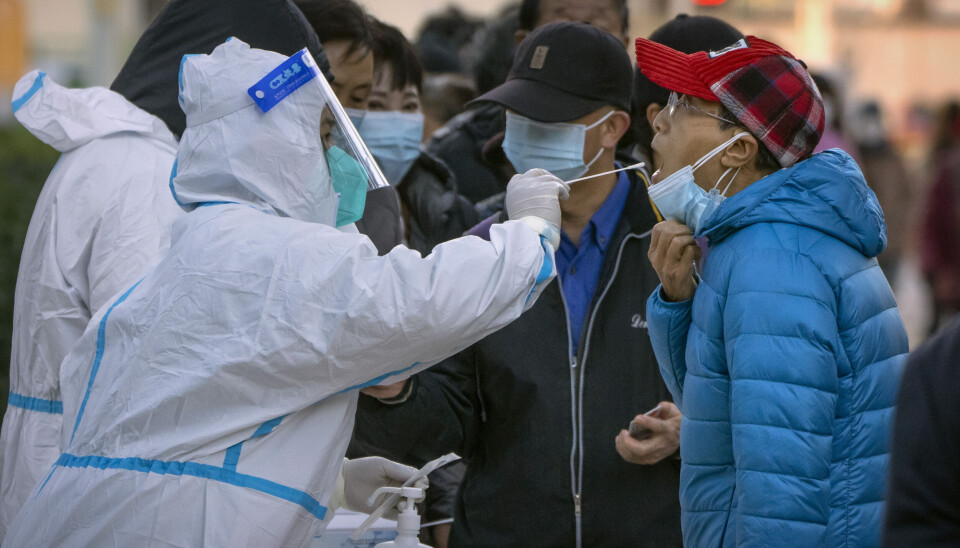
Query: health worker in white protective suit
[106,210]
[211,403]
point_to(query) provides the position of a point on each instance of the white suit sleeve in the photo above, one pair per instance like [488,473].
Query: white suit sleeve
[368,319]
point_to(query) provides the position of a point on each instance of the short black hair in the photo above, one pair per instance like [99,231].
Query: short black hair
[391,47]
[339,20]
[764,161]
[530,14]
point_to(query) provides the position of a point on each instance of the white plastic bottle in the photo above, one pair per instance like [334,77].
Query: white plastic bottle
[408,521]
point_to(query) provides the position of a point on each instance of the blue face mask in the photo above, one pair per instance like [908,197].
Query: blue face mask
[680,198]
[394,140]
[557,148]
[356,116]
[349,179]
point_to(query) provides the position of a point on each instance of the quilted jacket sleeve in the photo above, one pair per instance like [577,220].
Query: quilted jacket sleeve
[781,340]
[668,324]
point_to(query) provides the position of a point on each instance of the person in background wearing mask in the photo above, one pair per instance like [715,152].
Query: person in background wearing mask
[784,346]
[344,31]
[884,170]
[392,128]
[536,407]
[470,143]
[106,210]
[834,134]
[211,402]
[433,211]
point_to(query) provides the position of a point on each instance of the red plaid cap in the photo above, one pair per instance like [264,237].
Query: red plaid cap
[763,85]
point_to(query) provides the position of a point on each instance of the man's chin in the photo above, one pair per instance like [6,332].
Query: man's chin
[655,176]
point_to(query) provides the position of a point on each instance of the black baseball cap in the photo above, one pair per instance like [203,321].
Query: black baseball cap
[564,71]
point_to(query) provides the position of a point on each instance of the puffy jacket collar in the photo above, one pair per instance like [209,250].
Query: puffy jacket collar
[826,192]
[68,118]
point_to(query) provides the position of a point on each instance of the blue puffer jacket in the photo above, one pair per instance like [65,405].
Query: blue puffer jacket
[786,364]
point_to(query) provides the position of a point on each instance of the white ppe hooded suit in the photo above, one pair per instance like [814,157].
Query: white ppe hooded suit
[212,402]
[104,213]
[106,209]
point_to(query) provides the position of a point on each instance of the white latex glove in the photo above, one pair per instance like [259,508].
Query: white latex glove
[361,477]
[533,198]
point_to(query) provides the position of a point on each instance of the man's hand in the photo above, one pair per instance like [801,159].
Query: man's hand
[661,444]
[672,253]
[385,392]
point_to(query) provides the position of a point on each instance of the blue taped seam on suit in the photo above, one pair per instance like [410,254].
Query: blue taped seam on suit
[232,457]
[101,344]
[54,407]
[205,471]
[546,268]
[37,84]
[378,380]
[173,174]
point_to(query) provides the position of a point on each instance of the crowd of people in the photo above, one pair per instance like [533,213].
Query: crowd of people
[289,255]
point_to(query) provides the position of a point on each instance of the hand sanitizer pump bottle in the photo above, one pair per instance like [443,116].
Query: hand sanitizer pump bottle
[408,522]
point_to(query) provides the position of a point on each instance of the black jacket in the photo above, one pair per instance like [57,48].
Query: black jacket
[435,210]
[149,78]
[538,425]
[468,144]
[923,494]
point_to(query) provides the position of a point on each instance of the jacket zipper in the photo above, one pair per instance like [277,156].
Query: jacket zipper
[576,389]
[572,361]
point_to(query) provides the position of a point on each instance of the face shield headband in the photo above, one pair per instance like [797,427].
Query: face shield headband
[338,135]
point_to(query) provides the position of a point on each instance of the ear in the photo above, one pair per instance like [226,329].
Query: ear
[519,36]
[613,129]
[653,109]
[741,153]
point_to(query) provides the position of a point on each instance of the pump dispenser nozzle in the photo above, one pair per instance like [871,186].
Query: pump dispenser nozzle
[408,522]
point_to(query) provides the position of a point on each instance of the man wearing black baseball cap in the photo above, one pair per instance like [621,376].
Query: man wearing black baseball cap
[537,406]
[470,142]
[784,350]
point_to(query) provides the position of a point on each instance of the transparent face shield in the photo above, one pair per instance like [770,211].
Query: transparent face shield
[298,84]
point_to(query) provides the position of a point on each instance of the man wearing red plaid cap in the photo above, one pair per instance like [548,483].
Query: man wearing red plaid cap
[782,345]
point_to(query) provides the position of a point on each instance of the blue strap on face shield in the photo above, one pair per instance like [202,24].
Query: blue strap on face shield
[296,71]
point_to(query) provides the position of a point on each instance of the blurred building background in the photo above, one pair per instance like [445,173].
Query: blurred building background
[898,54]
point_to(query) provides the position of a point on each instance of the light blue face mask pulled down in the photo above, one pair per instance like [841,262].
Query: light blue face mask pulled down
[678,197]
[557,148]
[349,180]
[393,138]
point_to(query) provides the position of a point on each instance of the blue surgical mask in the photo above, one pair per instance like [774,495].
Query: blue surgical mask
[680,198]
[557,148]
[394,140]
[349,179]
[356,116]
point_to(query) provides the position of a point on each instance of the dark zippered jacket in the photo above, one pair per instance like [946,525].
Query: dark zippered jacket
[538,425]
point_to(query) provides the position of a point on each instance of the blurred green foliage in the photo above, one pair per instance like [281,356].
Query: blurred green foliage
[25,163]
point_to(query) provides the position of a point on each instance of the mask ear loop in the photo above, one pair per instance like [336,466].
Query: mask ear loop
[599,152]
[601,120]
[591,126]
[726,188]
[706,157]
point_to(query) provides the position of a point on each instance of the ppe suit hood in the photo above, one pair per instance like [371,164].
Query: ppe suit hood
[270,160]
[826,192]
[149,77]
[68,118]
